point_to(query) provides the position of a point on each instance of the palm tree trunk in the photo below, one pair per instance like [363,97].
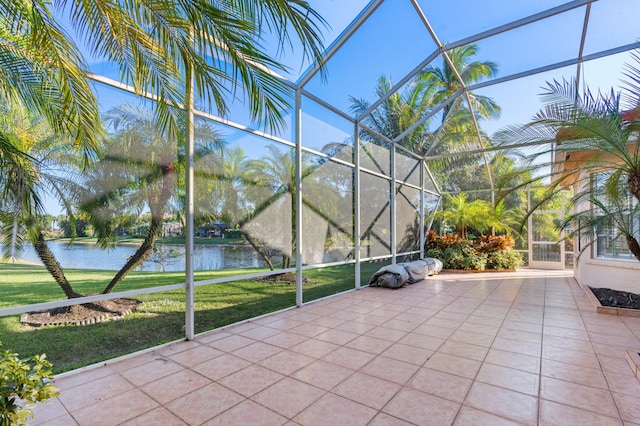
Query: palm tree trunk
[633,183]
[258,249]
[633,246]
[157,207]
[53,266]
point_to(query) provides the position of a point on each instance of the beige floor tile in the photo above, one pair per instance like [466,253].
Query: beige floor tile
[287,362]
[337,337]
[369,344]
[422,341]
[122,407]
[517,346]
[579,396]
[285,339]
[421,408]
[315,348]
[251,380]
[566,343]
[464,350]
[503,403]
[472,338]
[629,406]
[568,356]
[159,416]
[390,369]
[618,365]
[347,357]
[309,330]
[355,327]
[368,390]
[231,343]
[383,419]
[524,336]
[434,331]
[439,383]
[221,366]
[256,352]
[574,373]
[65,420]
[87,376]
[386,333]
[406,353]
[195,356]
[530,364]
[171,387]
[248,413]
[509,378]
[212,336]
[555,414]
[452,364]
[285,324]
[522,326]
[335,410]
[87,394]
[49,409]
[288,397]
[471,417]
[624,383]
[565,332]
[204,404]
[322,374]
[260,332]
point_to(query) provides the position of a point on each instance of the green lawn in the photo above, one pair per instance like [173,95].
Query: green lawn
[159,319]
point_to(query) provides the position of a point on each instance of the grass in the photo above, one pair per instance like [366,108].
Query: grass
[160,317]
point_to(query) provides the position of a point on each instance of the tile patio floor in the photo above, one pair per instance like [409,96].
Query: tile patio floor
[502,349]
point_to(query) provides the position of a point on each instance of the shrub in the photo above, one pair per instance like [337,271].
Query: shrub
[497,243]
[507,259]
[488,252]
[23,382]
[233,233]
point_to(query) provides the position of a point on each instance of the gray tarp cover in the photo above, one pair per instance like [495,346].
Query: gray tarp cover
[401,274]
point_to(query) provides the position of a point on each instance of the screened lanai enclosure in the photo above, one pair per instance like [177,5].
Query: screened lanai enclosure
[399,121]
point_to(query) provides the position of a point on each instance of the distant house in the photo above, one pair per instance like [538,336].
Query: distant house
[213,230]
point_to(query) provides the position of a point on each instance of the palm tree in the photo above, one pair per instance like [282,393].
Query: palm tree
[594,134]
[154,45]
[44,168]
[139,169]
[446,81]
[400,111]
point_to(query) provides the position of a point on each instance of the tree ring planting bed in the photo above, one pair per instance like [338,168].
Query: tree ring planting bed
[614,302]
[86,314]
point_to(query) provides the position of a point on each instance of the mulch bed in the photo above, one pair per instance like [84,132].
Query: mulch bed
[89,313]
[287,278]
[617,299]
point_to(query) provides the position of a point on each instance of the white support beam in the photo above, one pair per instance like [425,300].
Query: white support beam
[298,197]
[340,41]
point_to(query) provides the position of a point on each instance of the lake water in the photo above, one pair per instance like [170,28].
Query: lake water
[206,257]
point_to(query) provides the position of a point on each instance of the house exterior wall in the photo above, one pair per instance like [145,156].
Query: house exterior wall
[620,275]
[591,271]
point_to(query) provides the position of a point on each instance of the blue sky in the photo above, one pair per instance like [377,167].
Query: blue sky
[394,41]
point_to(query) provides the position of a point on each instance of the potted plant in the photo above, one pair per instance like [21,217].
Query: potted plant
[23,382]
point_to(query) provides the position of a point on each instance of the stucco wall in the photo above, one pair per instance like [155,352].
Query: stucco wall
[614,274]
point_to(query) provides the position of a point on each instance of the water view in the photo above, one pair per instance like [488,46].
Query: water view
[168,257]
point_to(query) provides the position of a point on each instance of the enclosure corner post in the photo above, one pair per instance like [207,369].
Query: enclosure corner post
[189,206]
[356,203]
[298,200]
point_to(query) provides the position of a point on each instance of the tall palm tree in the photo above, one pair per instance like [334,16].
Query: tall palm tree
[446,81]
[45,168]
[400,111]
[139,168]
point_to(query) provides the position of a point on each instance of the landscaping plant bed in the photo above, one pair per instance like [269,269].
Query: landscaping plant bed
[615,302]
[88,313]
